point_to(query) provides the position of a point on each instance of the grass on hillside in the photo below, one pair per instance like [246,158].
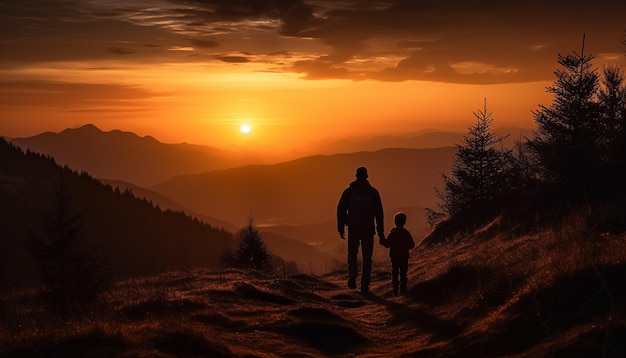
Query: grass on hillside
[559,292]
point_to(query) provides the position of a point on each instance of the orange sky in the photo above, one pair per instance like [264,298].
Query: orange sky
[296,71]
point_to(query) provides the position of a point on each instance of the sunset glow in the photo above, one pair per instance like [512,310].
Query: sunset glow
[307,71]
[245,128]
[312,178]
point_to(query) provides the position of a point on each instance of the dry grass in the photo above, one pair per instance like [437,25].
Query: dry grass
[541,295]
[555,293]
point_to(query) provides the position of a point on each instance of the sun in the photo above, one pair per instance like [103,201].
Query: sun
[245,128]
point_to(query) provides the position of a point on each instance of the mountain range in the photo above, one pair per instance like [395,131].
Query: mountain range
[293,201]
[141,230]
[145,161]
[306,190]
[125,156]
[218,188]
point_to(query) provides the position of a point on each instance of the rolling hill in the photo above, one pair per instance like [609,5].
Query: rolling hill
[306,190]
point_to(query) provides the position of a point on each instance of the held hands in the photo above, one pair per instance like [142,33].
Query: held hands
[381,238]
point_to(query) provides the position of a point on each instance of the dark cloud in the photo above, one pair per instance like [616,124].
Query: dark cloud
[233,59]
[72,34]
[212,11]
[323,70]
[204,43]
[299,20]
[121,50]
[456,41]
[73,30]
[283,54]
[451,41]
[388,40]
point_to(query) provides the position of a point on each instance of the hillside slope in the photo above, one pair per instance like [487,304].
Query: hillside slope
[166,203]
[535,296]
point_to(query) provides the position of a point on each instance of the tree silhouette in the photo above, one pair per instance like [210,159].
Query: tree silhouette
[251,251]
[479,174]
[72,270]
[612,99]
[577,155]
[567,139]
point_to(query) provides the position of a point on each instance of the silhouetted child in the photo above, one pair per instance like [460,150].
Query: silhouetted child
[399,243]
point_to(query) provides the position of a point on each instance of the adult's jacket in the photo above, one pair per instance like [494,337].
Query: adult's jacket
[352,213]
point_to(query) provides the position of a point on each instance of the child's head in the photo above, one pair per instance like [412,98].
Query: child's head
[399,219]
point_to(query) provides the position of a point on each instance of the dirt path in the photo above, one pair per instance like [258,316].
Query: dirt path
[308,316]
[394,325]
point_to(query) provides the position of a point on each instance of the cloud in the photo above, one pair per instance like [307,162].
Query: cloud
[121,50]
[322,70]
[204,43]
[386,40]
[233,59]
[470,67]
[181,48]
[299,20]
[72,30]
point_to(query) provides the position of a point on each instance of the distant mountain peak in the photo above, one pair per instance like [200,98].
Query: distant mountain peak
[91,129]
[87,128]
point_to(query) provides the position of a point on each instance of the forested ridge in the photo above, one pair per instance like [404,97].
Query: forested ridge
[138,237]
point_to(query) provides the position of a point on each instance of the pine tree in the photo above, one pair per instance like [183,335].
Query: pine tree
[479,174]
[72,270]
[612,99]
[567,139]
[251,250]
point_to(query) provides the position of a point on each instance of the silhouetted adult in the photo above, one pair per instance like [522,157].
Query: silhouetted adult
[361,209]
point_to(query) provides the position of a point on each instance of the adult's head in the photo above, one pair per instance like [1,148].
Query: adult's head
[361,173]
